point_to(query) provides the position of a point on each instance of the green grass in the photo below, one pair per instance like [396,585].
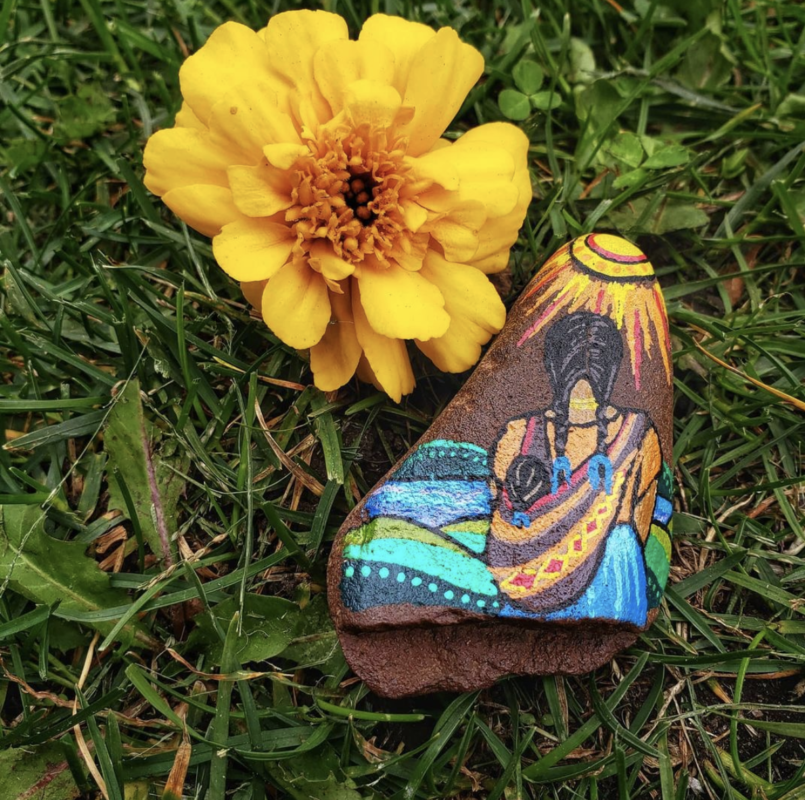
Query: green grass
[679,124]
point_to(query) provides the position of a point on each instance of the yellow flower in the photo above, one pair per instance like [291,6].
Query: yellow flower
[316,165]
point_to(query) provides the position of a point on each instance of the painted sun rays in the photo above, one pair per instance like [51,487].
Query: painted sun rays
[605,275]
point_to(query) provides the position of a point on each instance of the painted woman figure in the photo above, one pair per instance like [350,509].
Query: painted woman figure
[575,486]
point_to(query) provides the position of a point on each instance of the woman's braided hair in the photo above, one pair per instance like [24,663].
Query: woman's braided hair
[581,346]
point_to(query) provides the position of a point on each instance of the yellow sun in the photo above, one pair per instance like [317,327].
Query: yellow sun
[606,275]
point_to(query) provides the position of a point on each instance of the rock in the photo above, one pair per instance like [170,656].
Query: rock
[528,531]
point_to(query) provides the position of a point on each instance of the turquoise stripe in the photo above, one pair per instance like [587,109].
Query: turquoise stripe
[472,541]
[463,571]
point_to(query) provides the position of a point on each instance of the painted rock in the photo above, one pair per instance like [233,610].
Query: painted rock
[527,532]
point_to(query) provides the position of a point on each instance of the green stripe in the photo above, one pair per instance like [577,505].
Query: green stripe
[665,485]
[469,526]
[385,528]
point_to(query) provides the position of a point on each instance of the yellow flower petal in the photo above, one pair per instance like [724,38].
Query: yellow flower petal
[335,358]
[284,156]
[248,118]
[476,312]
[367,375]
[457,231]
[293,38]
[307,109]
[296,305]
[411,261]
[260,191]
[498,235]
[387,359]
[253,249]
[339,63]
[495,240]
[231,56]
[185,118]
[443,72]
[183,157]
[414,215]
[427,171]
[325,261]
[205,208]
[372,103]
[403,38]
[253,292]
[402,304]
[484,169]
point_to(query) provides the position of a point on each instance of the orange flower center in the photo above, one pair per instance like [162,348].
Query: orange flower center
[348,191]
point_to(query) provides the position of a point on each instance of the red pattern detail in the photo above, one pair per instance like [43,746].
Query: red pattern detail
[554,566]
[660,303]
[602,251]
[577,545]
[535,327]
[526,581]
[591,526]
[529,435]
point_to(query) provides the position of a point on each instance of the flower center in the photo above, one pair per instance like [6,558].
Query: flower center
[348,192]
[358,196]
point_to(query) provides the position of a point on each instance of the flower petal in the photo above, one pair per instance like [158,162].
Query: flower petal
[296,305]
[248,118]
[373,103]
[185,118]
[340,62]
[443,72]
[457,231]
[292,38]
[183,157]
[231,56]
[427,171]
[498,235]
[260,191]
[253,292]
[403,38]
[484,170]
[367,375]
[413,214]
[402,304]
[335,358]
[284,156]
[203,207]
[253,249]
[387,359]
[325,261]
[476,312]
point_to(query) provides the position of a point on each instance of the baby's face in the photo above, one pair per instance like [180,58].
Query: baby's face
[527,479]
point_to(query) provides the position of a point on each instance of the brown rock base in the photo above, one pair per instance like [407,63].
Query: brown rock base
[462,658]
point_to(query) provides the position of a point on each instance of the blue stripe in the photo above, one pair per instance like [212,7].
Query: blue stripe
[663,510]
[431,503]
